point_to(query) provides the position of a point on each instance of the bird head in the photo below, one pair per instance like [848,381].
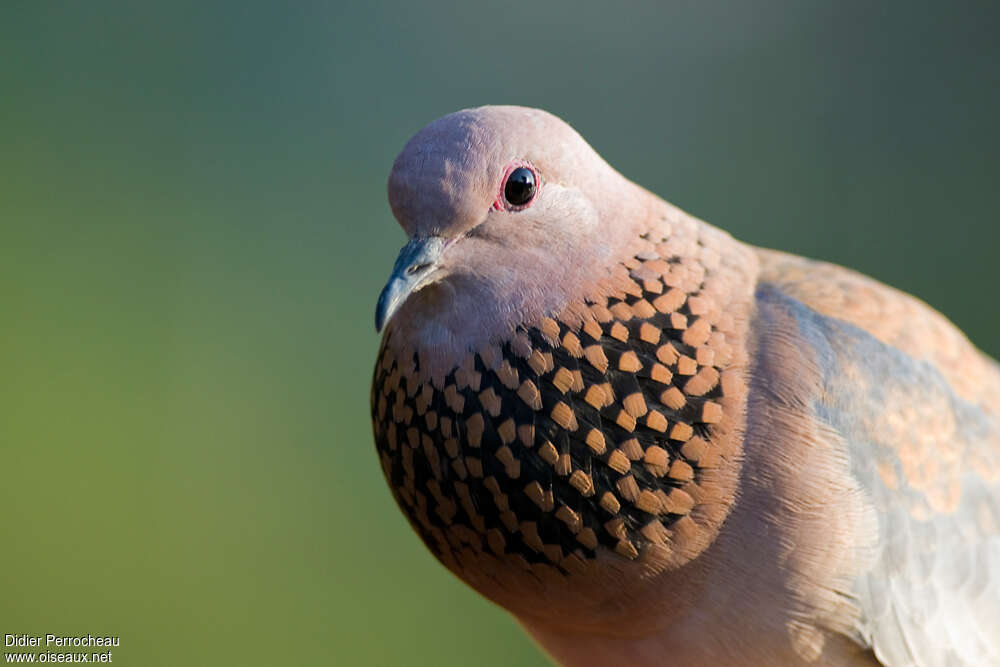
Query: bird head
[508,212]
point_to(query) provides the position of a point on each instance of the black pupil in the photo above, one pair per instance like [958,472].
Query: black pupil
[520,187]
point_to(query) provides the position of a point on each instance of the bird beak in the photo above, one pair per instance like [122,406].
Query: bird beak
[416,261]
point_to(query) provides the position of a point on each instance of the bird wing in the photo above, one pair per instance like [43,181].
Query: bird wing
[916,410]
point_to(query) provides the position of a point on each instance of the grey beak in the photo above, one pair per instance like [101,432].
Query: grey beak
[414,264]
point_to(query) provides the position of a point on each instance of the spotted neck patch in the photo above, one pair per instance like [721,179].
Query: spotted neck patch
[566,441]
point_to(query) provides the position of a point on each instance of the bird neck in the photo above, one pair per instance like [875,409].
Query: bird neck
[562,466]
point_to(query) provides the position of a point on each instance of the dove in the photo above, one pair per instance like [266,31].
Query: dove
[653,444]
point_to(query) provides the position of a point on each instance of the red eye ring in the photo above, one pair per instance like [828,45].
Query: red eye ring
[519,192]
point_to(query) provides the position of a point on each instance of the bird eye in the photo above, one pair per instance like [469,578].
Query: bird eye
[520,187]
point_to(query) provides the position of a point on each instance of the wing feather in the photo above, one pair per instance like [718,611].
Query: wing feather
[918,410]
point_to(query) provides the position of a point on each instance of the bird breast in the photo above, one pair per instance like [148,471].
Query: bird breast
[576,457]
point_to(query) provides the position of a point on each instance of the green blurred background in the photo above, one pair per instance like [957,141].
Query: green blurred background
[193,232]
